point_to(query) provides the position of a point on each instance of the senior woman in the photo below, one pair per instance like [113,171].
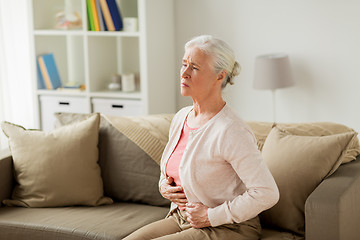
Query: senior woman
[211,168]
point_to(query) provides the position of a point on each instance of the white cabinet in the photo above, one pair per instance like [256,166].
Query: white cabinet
[92,57]
[52,104]
[117,107]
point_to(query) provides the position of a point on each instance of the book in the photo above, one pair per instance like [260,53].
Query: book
[44,73]
[40,82]
[115,14]
[95,15]
[49,71]
[103,19]
[100,16]
[90,16]
[107,16]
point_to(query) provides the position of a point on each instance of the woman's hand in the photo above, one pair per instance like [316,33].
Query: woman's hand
[174,193]
[197,216]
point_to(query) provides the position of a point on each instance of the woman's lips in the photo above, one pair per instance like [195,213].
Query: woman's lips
[184,85]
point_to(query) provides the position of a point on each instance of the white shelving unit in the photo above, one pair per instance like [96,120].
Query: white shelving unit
[91,58]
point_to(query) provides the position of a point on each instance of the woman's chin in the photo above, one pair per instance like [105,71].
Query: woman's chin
[184,93]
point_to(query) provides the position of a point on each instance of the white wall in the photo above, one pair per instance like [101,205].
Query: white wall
[321,37]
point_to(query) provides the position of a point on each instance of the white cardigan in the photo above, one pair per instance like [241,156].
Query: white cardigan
[222,168]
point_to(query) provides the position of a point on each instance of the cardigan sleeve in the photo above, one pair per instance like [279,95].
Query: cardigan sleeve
[240,150]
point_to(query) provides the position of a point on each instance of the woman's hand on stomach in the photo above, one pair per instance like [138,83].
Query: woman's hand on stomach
[174,193]
[196,215]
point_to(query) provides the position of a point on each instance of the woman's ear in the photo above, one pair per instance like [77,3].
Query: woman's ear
[222,75]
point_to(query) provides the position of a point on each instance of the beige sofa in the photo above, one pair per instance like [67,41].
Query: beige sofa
[332,210]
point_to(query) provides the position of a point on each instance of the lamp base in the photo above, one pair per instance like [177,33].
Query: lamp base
[274,104]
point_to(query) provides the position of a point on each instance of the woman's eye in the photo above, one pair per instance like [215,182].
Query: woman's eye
[195,68]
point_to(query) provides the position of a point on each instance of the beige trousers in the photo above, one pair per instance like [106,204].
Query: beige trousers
[175,227]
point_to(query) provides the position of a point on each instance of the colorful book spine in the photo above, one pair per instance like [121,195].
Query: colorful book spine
[49,71]
[115,14]
[107,16]
[95,15]
[99,14]
[103,18]
[90,15]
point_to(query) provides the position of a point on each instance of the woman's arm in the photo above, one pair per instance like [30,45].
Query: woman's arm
[240,150]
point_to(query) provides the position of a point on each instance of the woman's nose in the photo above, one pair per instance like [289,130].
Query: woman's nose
[184,72]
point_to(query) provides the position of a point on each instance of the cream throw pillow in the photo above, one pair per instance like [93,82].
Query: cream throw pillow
[262,129]
[58,168]
[324,129]
[299,164]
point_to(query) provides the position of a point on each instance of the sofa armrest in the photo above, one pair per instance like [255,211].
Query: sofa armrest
[6,175]
[332,211]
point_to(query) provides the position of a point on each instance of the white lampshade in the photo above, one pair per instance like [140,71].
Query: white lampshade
[272,71]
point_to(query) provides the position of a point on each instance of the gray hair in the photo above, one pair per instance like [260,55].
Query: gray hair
[222,54]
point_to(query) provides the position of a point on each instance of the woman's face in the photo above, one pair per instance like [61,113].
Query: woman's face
[198,77]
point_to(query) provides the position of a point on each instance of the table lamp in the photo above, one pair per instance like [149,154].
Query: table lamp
[272,71]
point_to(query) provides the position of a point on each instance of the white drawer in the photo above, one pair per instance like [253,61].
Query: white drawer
[52,104]
[117,107]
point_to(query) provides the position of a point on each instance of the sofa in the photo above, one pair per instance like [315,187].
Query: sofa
[127,153]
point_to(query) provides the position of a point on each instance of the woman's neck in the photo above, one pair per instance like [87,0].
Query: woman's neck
[208,107]
[203,111]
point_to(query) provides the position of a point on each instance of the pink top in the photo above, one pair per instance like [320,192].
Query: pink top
[172,166]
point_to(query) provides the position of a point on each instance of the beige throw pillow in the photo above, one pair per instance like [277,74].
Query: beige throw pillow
[299,164]
[57,168]
[262,129]
[324,129]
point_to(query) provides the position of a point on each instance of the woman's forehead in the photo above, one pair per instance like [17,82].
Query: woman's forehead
[195,55]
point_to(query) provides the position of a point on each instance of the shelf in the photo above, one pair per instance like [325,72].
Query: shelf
[116,94]
[102,94]
[113,34]
[92,58]
[61,92]
[54,32]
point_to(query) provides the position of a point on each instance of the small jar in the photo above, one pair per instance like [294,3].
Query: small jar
[115,84]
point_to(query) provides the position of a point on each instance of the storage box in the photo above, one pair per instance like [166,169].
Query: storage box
[52,104]
[117,107]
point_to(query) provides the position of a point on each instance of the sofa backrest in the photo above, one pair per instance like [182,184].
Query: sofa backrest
[6,175]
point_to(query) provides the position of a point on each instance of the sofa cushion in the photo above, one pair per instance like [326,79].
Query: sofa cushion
[57,168]
[273,234]
[299,164]
[6,176]
[103,222]
[324,129]
[129,173]
[150,133]
[262,129]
